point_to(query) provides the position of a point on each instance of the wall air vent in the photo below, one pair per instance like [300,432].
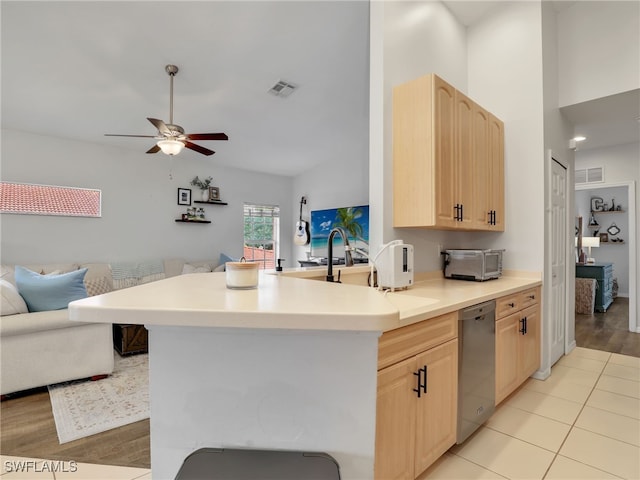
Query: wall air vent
[282,89]
[589,175]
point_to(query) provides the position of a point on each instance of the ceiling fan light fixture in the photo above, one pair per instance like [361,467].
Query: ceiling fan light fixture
[170,147]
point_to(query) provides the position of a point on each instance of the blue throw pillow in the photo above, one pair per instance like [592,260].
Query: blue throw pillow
[50,292]
[224,259]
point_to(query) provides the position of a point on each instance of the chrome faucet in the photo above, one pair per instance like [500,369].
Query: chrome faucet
[348,260]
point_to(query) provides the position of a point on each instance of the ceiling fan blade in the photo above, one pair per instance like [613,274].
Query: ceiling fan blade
[160,125]
[154,149]
[118,135]
[207,136]
[198,148]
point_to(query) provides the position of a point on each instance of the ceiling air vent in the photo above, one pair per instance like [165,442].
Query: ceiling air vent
[589,175]
[282,89]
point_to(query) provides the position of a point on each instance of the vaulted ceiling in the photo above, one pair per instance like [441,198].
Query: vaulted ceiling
[79,70]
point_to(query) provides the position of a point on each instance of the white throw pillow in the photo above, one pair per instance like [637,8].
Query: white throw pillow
[188,268]
[12,301]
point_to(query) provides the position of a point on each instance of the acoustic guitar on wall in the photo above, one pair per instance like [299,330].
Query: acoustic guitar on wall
[301,236]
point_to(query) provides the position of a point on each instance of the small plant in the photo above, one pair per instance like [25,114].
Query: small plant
[202,184]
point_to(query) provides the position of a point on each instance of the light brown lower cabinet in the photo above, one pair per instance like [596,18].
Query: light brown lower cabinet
[417,406]
[517,340]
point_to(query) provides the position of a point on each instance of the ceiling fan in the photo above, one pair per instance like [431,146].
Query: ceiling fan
[171,137]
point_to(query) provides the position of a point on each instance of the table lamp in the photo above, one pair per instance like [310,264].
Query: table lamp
[590,242]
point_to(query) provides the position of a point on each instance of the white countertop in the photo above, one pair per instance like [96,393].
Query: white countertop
[286,302]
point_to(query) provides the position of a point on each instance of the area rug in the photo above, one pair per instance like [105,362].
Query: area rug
[84,407]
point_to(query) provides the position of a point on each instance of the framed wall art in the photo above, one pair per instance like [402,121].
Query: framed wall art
[214,194]
[35,199]
[184,196]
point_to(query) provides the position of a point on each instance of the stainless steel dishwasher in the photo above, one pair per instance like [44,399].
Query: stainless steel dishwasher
[476,367]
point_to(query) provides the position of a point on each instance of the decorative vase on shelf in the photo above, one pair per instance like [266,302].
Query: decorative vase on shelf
[205,195]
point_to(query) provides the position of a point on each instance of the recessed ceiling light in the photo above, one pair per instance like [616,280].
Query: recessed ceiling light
[579,138]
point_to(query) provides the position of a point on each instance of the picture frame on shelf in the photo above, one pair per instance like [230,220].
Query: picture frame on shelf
[604,238]
[214,194]
[184,196]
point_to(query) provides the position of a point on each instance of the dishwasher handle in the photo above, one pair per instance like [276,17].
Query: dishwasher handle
[480,310]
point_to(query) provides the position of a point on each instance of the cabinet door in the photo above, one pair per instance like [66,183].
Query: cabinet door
[444,159]
[437,409]
[496,172]
[529,348]
[395,421]
[464,181]
[413,151]
[481,169]
[507,371]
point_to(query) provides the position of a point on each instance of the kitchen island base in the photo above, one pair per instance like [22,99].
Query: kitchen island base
[262,389]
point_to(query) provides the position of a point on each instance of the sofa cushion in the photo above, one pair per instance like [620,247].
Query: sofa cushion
[130,274]
[50,292]
[26,323]
[98,279]
[199,267]
[11,301]
[173,267]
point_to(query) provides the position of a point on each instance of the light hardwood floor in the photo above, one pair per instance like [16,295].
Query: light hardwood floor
[27,429]
[608,331]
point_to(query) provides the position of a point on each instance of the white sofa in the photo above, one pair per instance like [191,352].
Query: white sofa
[45,347]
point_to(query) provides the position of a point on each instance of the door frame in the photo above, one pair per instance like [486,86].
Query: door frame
[633,261]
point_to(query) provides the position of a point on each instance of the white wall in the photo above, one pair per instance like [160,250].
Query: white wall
[599,49]
[417,38]
[505,76]
[139,203]
[485,61]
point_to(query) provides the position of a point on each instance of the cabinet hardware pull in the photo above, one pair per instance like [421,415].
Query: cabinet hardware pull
[419,389]
[511,304]
[523,329]
[532,297]
[461,213]
[424,385]
[422,381]
[458,215]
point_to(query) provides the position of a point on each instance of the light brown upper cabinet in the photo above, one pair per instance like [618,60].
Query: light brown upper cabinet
[448,159]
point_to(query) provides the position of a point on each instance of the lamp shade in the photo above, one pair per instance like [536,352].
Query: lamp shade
[590,241]
[170,147]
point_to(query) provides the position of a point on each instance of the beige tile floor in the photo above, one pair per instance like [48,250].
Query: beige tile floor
[583,422]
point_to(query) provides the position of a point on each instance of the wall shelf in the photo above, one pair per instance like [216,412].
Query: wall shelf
[192,221]
[211,203]
[608,211]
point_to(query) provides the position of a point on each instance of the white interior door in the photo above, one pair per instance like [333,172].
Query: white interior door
[559,237]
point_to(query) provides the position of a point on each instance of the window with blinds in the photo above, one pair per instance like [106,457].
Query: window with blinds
[261,234]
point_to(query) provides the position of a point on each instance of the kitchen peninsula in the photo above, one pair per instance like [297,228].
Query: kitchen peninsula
[291,365]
